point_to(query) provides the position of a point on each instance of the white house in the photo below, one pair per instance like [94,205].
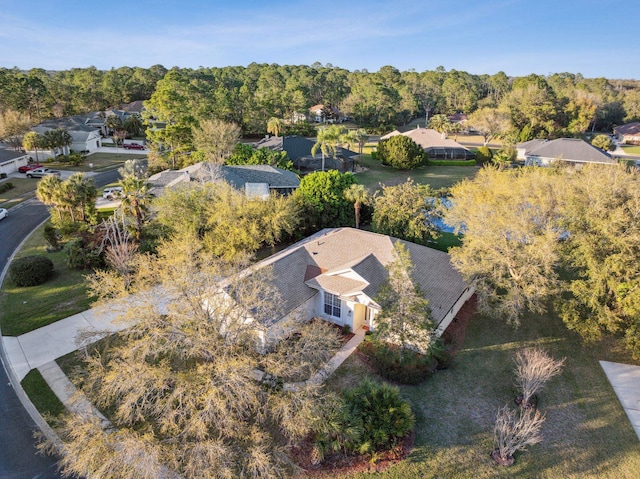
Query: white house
[336,275]
[11,160]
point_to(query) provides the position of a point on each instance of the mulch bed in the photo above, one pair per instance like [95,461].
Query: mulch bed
[339,465]
[454,334]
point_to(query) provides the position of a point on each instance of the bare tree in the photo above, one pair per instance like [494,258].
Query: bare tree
[534,367]
[179,384]
[514,431]
[119,247]
[216,139]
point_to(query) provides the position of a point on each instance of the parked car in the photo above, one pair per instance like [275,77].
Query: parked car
[3,213]
[41,172]
[30,166]
[112,192]
[133,146]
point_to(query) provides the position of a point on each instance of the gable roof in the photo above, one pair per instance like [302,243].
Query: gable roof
[426,138]
[298,150]
[346,261]
[570,149]
[631,129]
[238,176]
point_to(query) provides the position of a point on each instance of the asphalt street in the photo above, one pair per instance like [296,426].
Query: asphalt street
[18,456]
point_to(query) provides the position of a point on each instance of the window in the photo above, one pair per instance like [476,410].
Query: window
[332,305]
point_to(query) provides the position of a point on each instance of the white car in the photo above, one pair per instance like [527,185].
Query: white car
[112,192]
[3,213]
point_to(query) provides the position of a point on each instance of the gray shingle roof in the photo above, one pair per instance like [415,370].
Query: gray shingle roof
[7,153]
[238,176]
[366,254]
[631,129]
[571,149]
[297,147]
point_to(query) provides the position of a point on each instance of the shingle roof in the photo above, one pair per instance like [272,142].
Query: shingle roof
[365,254]
[426,138]
[238,176]
[571,149]
[631,129]
[78,123]
[7,153]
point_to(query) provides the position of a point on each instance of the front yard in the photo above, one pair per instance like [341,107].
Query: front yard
[25,309]
[100,161]
[586,434]
[23,188]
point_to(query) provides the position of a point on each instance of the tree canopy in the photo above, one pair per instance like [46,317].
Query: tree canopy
[537,238]
[401,152]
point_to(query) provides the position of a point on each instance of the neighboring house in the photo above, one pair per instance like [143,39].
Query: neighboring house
[253,180]
[298,150]
[570,150]
[336,275]
[435,144]
[629,133]
[10,159]
[85,130]
[127,110]
[460,118]
[325,114]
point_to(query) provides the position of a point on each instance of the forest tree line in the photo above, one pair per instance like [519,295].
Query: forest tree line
[561,104]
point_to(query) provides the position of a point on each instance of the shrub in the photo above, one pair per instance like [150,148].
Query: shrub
[483,155]
[534,367]
[6,186]
[514,431]
[451,162]
[30,270]
[50,235]
[401,152]
[78,256]
[302,128]
[369,418]
[396,364]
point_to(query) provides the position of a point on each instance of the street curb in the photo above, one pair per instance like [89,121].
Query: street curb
[13,378]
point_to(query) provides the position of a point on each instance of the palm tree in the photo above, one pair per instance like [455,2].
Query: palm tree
[135,200]
[361,137]
[440,123]
[48,191]
[275,126]
[358,195]
[326,142]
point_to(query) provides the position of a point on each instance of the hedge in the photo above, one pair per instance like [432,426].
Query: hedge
[451,162]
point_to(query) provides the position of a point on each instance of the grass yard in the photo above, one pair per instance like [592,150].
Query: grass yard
[25,309]
[41,395]
[631,149]
[586,434]
[436,176]
[23,189]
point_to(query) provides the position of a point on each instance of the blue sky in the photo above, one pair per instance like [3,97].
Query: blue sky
[595,38]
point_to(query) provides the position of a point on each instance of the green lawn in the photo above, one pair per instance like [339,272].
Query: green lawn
[436,176]
[25,309]
[586,434]
[24,188]
[41,395]
[631,149]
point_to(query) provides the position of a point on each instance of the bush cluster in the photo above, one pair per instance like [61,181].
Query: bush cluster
[6,186]
[371,417]
[79,256]
[401,152]
[30,270]
[398,365]
[483,155]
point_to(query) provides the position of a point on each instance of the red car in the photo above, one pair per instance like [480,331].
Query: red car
[30,166]
[133,146]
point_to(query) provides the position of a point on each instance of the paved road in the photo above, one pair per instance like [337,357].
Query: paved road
[18,458]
